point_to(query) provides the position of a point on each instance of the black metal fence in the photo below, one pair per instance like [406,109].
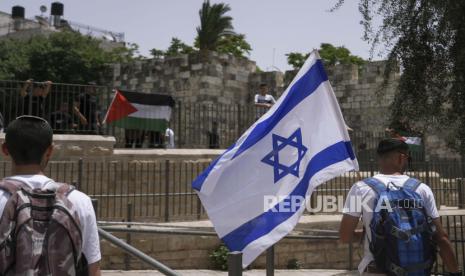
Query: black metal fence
[70,109]
[454,226]
[80,109]
[161,190]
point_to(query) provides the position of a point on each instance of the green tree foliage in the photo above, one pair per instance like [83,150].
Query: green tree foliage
[215,33]
[214,24]
[177,47]
[66,57]
[330,55]
[427,39]
[234,44]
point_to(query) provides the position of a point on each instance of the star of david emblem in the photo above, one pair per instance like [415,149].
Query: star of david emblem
[279,144]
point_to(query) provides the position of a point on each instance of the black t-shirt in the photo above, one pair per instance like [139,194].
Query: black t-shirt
[61,121]
[88,105]
[34,106]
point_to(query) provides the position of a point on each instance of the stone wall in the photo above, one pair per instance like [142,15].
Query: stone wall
[224,79]
[192,252]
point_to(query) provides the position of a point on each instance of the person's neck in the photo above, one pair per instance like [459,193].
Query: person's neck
[391,172]
[27,170]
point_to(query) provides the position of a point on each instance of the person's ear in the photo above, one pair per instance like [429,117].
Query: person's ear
[5,150]
[48,152]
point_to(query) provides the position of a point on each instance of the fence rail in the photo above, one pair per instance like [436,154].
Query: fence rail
[160,190]
[80,109]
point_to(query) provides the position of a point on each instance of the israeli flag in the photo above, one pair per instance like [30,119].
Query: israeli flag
[300,143]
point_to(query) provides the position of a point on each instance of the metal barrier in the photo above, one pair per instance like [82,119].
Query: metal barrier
[195,125]
[234,258]
[453,224]
[137,253]
[160,190]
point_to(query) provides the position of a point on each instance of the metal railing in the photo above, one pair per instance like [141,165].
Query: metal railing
[160,190]
[234,258]
[195,125]
[453,224]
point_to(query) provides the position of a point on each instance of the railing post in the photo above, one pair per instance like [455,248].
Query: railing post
[95,205]
[167,187]
[372,167]
[270,261]
[427,170]
[461,195]
[351,256]
[235,263]
[80,174]
[127,257]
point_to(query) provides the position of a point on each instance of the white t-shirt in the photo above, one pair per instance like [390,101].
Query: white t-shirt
[362,191]
[264,99]
[84,209]
[169,134]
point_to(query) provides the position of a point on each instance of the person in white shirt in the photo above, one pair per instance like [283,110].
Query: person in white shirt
[169,138]
[263,101]
[28,142]
[393,162]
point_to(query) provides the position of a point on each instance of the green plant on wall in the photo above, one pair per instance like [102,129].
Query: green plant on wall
[330,54]
[219,258]
[294,264]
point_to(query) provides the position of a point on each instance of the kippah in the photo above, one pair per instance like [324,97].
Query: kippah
[391,144]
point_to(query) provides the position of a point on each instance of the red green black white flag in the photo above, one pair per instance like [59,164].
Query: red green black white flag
[143,111]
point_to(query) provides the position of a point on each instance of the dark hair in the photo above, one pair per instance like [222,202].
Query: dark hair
[263,85]
[389,145]
[27,138]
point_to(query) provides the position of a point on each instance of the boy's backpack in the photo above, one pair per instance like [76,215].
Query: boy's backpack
[40,232]
[401,236]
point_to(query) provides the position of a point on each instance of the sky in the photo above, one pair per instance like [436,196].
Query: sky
[272,27]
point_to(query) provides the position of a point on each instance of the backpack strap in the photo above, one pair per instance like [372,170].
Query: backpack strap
[412,184]
[59,188]
[12,186]
[375,184]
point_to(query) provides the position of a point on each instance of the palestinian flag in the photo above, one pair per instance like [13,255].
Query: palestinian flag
[142,111]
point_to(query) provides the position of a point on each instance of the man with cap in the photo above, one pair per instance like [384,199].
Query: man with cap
[393,160]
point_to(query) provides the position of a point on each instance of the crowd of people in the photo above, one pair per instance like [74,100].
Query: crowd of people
[67,112]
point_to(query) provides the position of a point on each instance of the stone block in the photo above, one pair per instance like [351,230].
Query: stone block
[315,257]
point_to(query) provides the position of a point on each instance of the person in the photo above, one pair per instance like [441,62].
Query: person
[263,101]
[362,201]
[29,143]
[169,138]
[89,105]
[64,121]
[213,137]
[34,103]
[134,137]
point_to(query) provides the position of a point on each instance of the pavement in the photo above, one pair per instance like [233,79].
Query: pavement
[279,272]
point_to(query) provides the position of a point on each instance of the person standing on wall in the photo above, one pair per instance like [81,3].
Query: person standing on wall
[263,101]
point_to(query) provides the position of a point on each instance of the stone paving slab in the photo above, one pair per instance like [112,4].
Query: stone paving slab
[300,272]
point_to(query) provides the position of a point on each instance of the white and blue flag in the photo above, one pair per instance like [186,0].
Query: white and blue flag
[300,143]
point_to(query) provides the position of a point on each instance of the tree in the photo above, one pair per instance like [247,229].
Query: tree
[214,24]
[427,40]
[66,57]
[235,45]
[178,47]
[330,55]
